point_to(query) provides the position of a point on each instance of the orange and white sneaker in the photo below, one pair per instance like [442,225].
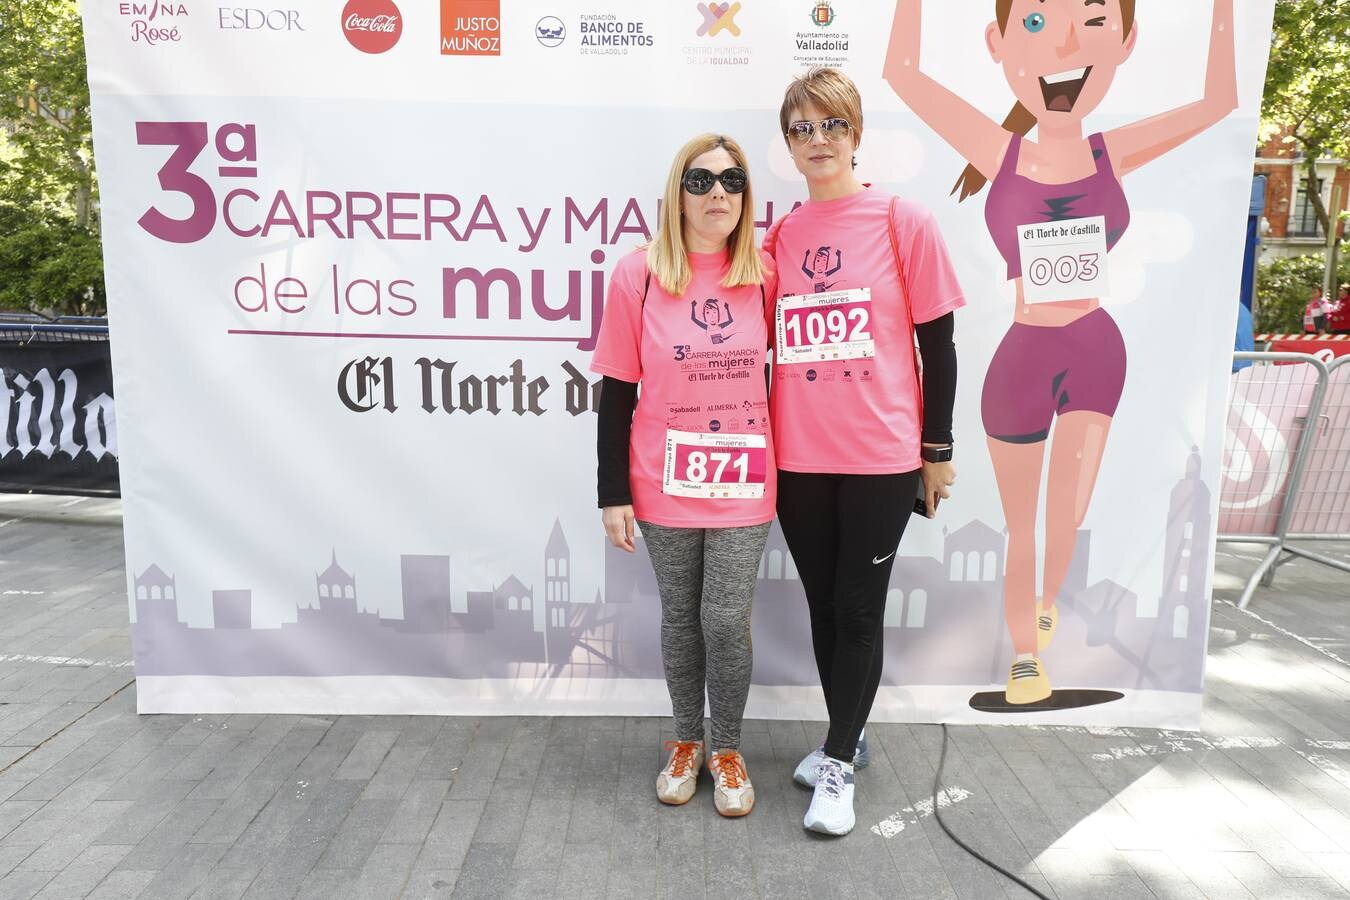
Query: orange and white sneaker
[677,781]
[733,794]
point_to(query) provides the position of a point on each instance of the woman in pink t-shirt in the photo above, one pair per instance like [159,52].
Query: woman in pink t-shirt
[859,273]
[694,465]
[1316,313]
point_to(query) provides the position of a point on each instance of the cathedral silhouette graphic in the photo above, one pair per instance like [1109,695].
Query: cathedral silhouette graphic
[943,623]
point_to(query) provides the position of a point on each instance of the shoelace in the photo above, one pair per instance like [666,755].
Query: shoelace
[1044,622]
[830,779]
[1025,668]
[730,768]
[683,758]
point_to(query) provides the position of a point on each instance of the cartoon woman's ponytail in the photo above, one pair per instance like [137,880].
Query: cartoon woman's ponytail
[1020,121]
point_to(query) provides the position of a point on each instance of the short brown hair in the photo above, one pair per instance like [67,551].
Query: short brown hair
[830,91]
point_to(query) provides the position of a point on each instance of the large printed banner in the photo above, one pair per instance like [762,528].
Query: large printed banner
[58,428]
[356,263]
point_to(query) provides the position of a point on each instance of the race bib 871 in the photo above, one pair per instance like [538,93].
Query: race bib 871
[715,466]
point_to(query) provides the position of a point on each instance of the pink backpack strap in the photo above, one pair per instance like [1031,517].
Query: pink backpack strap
[904,292]
[899,261]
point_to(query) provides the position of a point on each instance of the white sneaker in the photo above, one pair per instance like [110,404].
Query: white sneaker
[805,774]
[677,781]
[733,794]
[831,810]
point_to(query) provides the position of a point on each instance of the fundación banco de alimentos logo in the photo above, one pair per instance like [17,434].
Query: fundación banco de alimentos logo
[550,31]
[372,26]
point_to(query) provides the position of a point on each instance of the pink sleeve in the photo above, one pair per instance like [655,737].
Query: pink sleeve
[930,278]
[618,349]
[770,244]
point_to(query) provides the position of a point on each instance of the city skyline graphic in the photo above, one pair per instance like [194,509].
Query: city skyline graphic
[943,624]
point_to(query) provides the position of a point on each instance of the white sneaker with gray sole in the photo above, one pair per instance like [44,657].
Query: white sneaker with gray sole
[831,810]
[805,772]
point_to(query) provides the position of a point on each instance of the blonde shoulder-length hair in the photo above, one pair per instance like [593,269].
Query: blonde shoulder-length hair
[667,258]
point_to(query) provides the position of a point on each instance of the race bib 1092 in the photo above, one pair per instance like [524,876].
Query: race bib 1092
[820,327]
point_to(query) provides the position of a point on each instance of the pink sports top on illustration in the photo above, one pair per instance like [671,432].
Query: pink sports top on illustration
[1015,200]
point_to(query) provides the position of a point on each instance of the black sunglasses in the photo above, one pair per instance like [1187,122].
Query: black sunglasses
[699,181]
[835,129]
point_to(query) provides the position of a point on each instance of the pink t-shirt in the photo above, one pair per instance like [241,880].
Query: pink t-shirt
[859,415]
[700,361]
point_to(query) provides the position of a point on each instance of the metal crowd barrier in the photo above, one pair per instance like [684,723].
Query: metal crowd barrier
[26,328]
[1322,506]
[1286,470]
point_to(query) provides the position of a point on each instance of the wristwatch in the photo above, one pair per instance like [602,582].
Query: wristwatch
[936,454]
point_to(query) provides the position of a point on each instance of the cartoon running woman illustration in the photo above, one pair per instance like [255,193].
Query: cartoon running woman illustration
[1061,363]
[819,268]
[712,319]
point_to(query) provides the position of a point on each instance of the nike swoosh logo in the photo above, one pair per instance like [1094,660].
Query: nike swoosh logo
[877,562]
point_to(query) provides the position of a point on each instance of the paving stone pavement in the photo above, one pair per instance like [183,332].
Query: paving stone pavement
[96,801]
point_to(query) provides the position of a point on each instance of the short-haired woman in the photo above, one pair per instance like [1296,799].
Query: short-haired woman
[694,465]
[859,272]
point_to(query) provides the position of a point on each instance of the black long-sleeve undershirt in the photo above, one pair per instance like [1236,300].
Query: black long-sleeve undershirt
[618,400]
[937,349]
[614,429]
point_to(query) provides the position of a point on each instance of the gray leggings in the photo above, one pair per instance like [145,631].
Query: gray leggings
[706,577]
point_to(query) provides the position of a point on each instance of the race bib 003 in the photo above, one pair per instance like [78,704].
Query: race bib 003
[1063,260]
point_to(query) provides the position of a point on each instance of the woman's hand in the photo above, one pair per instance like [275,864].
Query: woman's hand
[618,521]
[937,478]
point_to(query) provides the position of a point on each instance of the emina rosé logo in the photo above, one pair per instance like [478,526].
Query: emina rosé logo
[372,26]
[154,22]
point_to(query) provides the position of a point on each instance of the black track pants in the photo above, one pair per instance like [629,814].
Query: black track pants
[843,531]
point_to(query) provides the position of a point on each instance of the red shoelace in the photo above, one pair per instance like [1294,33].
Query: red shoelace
[683,758]
[730,767]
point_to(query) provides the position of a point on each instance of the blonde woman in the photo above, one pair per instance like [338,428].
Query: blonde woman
[694,465]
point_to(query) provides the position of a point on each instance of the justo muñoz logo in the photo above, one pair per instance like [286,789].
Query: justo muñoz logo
[471,28]
[154,22]
[372,26]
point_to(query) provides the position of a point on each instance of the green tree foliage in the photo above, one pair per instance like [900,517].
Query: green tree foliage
[50,254]
[1307,93]
[1283,287]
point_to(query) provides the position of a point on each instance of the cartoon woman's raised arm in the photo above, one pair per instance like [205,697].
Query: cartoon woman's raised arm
[1132,146]
[971,133]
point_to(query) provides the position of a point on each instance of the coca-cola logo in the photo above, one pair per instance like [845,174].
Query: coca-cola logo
[372,26]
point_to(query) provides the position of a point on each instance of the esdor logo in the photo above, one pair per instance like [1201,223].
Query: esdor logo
[372,26]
